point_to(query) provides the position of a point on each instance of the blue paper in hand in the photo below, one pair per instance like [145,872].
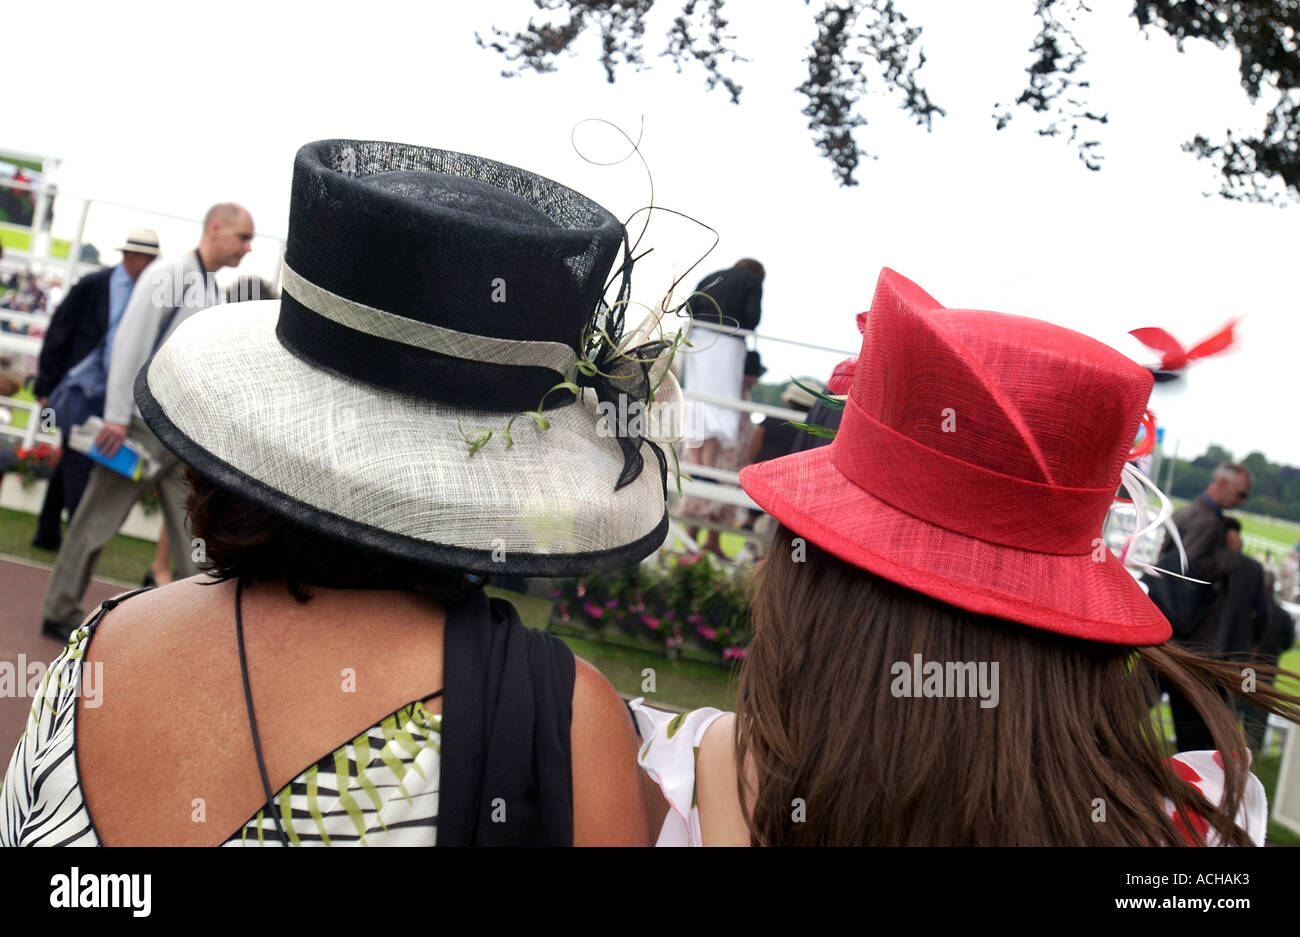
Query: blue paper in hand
[126,461]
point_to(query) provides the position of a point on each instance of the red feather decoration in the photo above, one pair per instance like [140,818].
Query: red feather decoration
[1174,357]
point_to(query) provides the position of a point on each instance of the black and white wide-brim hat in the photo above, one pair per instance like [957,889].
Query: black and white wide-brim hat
[430,299]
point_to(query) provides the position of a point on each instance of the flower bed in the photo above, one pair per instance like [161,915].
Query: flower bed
[685,604]
[38,463]
[30,465]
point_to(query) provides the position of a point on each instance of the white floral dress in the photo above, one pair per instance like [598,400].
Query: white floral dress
[670,747]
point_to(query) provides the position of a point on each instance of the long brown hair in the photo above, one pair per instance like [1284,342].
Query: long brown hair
[1069,755]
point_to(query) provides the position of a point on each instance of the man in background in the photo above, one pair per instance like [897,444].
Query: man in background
[1253,628]
[1244,612]
[1195,610]
[171,290]
[84,323]
[246,288]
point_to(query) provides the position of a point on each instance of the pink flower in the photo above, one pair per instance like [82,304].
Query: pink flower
[650,622]
[612,603]
[690,560]
[582,590]
[592,609]
[736,653]
[706,632]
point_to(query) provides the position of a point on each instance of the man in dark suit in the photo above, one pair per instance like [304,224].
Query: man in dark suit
[1245,609]
[1253,628]
[1212,556]
[1275,637]
[83,324]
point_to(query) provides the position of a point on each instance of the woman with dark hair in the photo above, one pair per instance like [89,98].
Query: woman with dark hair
[944,651]
[418,411]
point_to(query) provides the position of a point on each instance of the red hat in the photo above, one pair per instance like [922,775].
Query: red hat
[842,377]
[977,458]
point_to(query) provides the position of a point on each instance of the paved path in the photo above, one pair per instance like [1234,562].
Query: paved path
[22,590]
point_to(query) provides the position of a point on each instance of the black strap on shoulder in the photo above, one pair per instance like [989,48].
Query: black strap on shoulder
[109,604]
[507,768]
[252,720]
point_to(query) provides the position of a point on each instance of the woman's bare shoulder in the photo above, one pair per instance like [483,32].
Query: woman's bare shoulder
[722,822]
[172,712]
[609,806]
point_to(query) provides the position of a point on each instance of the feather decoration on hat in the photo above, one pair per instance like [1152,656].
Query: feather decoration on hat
[1174,357]
[1138,485]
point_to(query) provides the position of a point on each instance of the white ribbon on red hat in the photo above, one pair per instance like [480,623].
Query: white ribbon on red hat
[1136,484]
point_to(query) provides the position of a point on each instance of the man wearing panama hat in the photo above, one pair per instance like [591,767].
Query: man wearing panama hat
[172,290]
[84,323]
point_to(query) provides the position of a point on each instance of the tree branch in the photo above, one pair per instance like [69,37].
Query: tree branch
[1052,87]
[837,79]
[1265,36]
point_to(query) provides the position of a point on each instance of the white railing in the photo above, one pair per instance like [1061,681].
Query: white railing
[726,489]
[20,344]
[14,317]
[28,434]
[1261,544]
[746,333]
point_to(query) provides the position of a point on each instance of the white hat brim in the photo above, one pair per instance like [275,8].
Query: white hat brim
[392,472]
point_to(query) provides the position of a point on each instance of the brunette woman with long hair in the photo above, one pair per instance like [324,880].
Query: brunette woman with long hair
[945,652]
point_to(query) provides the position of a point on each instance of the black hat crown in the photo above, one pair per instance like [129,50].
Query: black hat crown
[441,275]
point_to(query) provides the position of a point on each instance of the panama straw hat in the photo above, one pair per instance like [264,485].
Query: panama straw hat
[141,241]
[428,383]
[796,396]
[977,458]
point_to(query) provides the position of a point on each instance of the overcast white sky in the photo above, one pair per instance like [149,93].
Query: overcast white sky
[171,107]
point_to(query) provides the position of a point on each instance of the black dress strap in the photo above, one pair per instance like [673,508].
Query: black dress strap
[252,719]
[110,604]
[507,768]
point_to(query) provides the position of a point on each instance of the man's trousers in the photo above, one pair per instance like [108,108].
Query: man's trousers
[104,507]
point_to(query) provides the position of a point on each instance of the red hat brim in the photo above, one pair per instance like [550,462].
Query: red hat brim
[1070,595]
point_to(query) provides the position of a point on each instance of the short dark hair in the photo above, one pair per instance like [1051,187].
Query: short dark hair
[243,539]
[248,287]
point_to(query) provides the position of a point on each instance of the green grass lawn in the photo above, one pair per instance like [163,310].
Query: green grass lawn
[20,238]
[1266,767]
[125,558]
[1284,532]
[731,543]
